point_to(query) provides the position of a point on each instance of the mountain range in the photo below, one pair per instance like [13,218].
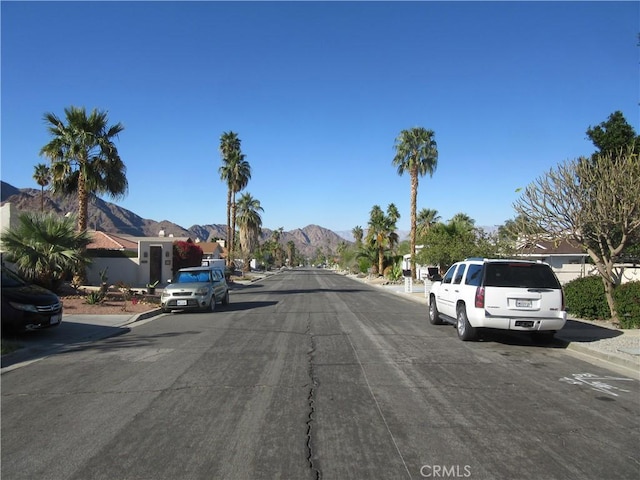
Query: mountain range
[110,218]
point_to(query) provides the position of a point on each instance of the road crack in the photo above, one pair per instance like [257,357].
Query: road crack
[316,472]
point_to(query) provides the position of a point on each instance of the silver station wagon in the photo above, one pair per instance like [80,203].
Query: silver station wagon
[196,288]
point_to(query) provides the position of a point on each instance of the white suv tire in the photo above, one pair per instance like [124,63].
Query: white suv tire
[434,315]
[465,331]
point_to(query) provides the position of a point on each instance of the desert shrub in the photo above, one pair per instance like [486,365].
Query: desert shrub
[393,272]
[585,298]
[94,298]
[627,299]
[364,264]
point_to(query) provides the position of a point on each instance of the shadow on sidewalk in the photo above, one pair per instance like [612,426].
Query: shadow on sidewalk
[577,331]
[41,343]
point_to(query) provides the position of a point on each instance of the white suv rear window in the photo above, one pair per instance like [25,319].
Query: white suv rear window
[522,275]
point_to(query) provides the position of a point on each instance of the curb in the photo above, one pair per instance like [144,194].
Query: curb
[144,316]
[630,367]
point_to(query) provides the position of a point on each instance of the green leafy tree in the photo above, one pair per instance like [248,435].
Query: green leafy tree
[613,135]
[456,240]
[42,176]
[250,225]
[85,160]
[46,248]
[416,153]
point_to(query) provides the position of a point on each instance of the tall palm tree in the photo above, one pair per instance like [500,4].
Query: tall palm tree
[291,252]
[229,148]
[42,176]
[250,224]
[277,235]
[46,247]
[84,159]
[241,175]
[416,153]
[236,172]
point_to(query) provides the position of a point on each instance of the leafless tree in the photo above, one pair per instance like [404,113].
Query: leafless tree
[595,202]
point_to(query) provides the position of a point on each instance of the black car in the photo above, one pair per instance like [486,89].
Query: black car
[26,306]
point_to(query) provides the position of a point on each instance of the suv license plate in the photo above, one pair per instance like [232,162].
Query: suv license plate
[181,303]
[54,320]
[523,303]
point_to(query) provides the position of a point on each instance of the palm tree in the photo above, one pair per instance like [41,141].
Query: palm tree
[236,172]
[291,251]
[381,232]
[426,219]
[45,247]
[241,175]
[416,153]
[229,147]
[357,235]
[250,224]
[42,176]
[84,159]
[463,222]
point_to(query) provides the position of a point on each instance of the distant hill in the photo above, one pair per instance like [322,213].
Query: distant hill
[110,218]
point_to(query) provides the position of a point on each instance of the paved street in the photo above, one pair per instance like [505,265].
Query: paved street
[312,375]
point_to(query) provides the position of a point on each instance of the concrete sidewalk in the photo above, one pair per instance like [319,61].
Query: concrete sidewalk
[73,332]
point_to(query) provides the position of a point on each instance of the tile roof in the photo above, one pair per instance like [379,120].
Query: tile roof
[107,241]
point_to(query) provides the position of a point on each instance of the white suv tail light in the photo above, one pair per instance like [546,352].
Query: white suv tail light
[479,297]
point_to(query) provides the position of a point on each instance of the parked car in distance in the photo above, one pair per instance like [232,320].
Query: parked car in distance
[195,288]
[515,295]
[26,306]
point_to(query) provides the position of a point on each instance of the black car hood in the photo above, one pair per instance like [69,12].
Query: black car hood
[30,294]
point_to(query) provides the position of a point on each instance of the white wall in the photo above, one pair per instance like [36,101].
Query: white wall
[569,272]
[125,270]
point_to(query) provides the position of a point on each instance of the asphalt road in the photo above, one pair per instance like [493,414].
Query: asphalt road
[312,375]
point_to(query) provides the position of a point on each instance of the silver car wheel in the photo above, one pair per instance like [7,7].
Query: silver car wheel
[212,304]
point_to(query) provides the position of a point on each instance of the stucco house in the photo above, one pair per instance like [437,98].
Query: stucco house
[567,259]
[134,261]
[138,261]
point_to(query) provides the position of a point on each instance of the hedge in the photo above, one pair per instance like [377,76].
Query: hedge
[585,298]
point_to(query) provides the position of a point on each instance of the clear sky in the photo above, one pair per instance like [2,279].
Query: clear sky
[318,92]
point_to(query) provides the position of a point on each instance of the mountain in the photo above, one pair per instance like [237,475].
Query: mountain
[110,218]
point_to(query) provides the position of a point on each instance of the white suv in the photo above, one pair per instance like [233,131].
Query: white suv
[502,294]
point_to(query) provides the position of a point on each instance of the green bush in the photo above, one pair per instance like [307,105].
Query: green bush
[585,298]
[627,300]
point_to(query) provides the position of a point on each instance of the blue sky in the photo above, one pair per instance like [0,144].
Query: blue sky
[318,92]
